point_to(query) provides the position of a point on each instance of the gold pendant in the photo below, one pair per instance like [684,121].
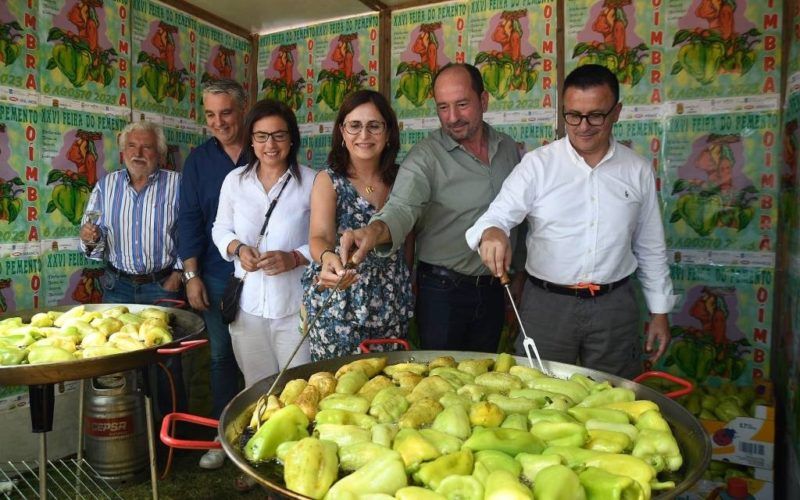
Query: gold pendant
[370,189]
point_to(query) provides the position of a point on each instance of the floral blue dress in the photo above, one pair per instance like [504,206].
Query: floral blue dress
[376,306]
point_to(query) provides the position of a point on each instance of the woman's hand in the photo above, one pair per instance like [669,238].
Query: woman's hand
[332,270]
[276,262]
[249,258]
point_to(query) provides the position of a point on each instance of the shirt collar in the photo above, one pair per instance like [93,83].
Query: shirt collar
[150,178]
[450,144]
[578,159]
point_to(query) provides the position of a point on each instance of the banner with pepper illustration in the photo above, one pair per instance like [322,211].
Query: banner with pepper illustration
[18,43]
[283,69]
[77,149]
[721,329]
[19,192]
[314,149]
[20,283]
[68,277]
[626,36]
[180,142]
[221,55]
[423,40]
[164,48]
[84,55]
[790,217]
[719,186]
[515,51]
[722,48]
[346,57]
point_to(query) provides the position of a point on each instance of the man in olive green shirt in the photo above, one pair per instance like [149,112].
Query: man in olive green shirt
[445,183]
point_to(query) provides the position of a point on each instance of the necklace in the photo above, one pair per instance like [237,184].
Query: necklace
[369,189]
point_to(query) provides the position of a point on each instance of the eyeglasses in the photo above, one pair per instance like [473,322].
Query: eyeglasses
[373,127]
[593,119]
[277,136]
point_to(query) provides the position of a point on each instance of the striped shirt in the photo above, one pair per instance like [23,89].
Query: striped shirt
[139,230]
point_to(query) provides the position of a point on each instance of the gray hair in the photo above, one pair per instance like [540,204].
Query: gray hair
[145,126]
[226,86]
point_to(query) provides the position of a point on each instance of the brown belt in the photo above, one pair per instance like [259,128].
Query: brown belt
[582,291]
[141,279]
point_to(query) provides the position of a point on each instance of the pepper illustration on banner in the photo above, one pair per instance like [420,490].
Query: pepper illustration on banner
[416,82]
[614,52]
[71,195]
[78,55]
[10,188]
[507,69]
[222,62]
[10,47]
[285,87]
[716,346]
[160,76]
[4,284]
[714,202]
[339,82]
[719,47]
[88,289]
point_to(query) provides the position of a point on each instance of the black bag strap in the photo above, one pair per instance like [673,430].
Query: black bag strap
[269,214]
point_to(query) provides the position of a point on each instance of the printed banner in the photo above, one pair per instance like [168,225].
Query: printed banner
[790,217]
[164,42]
[314,150]
[644,137]
[423,40]
[626,36]
[286,69]
[84,59]
[529,136]
[20,186]
[20,283]
[180,142]
[793,70]
[722,48]
[19,52]
[346,55]
[77,149]
[70,278]
[222,55]
[719,186]
[721,329]
[513,43]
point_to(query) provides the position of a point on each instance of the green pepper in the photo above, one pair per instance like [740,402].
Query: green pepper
[351,382]
[453,375]
[558,482]
[549,415]
[614,395]
[533,464]
[542,398]
[729,409]
[573,390]
[414,448]
[344,417]
[512,405]
[515,421]
[454,421]
[488,461]
[608,441]
[573,456]
[560,433]
[48,354]
[498,381]
[388,405]
[354,456]
[504,362]
[341,434]
[701,59]
[476,366]
[10,356]
[652,419]
[421,413]
[383,434]
[349,402]
[603,485]
[474,392]
[486,414]
[444,442]
[526,373]
[311,467]
[509,441]
[634,408]
[659,449]
[386,474]
[417,493]
[589,384]
[431,387]
[375,385]
[461,488]
[431,474]
[630,466]
[604,414]
[453,399]
[627,429]
[287,424]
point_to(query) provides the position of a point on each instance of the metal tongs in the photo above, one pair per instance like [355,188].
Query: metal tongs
[527,342]
[259,405]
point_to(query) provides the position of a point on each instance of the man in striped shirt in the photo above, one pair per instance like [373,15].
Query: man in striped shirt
[136,230]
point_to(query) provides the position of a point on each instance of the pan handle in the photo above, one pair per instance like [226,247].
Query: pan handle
[364,346]
[184,444]
[185,345]
[688,387]
[176,303]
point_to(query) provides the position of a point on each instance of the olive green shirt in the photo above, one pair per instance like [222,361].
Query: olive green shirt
[440,191]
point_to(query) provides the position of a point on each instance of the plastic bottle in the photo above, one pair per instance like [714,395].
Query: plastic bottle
[736,490]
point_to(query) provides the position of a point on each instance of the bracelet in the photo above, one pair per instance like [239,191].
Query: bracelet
[324,252]
[296,256]
[238,247]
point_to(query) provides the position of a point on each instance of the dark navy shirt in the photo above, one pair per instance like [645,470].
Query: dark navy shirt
[202,176]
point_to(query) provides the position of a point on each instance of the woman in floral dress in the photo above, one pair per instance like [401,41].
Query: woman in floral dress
[374,300]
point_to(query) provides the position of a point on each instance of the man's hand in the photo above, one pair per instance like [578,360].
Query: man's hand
[362,241]
[249,258]
[196,294]
[276,262]
[90,233]
[332,270]
[173,282]
[495,250]
[657,333]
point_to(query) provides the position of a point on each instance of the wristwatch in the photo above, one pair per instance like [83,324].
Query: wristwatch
[185,277]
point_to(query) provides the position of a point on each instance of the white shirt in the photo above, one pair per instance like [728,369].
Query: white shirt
[585,225]
[243,204]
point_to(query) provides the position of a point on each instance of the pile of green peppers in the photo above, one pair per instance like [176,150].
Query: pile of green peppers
[70,196]
[335,86]
[10,204]
[627,66]
[502,74]
[723,403]
[699,356]
[704,54]
[159,81]
[73,57]
[416,84]
[277,89]
[475,429]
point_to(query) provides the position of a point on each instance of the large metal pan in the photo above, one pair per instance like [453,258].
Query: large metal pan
[692,439]
[185,326]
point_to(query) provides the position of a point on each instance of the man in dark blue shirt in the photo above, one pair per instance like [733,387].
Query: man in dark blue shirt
[205,272]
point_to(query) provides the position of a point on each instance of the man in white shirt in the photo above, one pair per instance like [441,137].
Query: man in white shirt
[594,219]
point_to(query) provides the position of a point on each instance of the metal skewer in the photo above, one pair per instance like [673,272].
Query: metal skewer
[527,342]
